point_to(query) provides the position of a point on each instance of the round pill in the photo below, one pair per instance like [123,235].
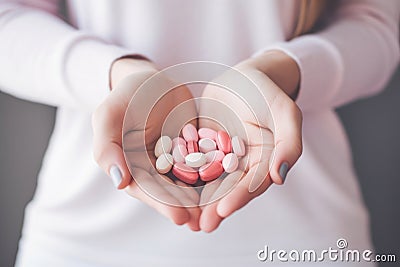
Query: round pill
[230,162]
[178,141]
[179,153]
[211,171]
[224,142]
[189,133]
[215,155]
[238,146]
[207,145]
[195,160]
[207,133]
[185,173]
[163,145]
[164,163]
[192,147]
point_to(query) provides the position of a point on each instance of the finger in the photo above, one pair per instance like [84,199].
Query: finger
[240,195]
[208,191]
[158,197]
[107,148]
[209,219]
[285,121]
[107,123]
[227,185]
[259,158]
[190,191]
[185,201]
[288,137]
[194,222]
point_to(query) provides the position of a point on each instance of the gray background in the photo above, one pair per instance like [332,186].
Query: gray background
[373,126]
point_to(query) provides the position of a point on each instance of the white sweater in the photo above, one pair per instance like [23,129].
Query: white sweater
[77,218]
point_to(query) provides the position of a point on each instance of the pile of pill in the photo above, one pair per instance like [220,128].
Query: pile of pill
[203,153]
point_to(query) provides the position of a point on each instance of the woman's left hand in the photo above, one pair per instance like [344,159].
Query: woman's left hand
[274,138]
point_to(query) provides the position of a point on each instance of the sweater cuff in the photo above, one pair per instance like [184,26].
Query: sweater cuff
[321,69]
[87,66]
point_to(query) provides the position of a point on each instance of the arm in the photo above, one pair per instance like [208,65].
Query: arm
[353,57]
[44,59]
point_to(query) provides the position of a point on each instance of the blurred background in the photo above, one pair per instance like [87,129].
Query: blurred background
[373,126]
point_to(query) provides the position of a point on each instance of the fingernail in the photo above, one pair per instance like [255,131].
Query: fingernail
[283,169]
[116,175]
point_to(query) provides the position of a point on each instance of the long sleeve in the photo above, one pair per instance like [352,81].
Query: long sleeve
[44,59]
[353,57]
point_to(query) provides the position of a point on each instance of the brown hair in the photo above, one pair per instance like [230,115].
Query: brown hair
[309,13]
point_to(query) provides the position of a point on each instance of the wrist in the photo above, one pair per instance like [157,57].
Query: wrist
[126,66]
[281,69]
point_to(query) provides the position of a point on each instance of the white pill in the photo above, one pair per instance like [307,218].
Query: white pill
[163,145]
[230,162]
[195,160]
[179,153]
[207,145]
[178,141]
[238,146]
[164,163]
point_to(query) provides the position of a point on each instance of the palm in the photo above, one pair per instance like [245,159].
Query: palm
[151,113]
[252,121]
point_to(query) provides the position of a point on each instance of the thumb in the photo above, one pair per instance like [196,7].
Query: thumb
[107,148]
[107,123]
[288,136]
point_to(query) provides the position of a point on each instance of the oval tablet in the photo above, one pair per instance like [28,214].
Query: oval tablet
[215,155]
[192,147]
[189,133]
[185,173]
[179,153]
[164,163]
[230,163]
[238,146]
[178,141]
[207,145]
[195,160]
[224,142]
[207,133]
[163,145]
[211,171]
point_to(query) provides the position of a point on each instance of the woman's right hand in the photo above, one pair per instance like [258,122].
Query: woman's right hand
[109,131]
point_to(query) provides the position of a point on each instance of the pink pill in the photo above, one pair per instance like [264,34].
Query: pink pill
[230,162]
[189,132]
[179,153]
[178,141]
[192,147]
[185,173]
[224,142]
[211,171]
[207,145]
[216,155]
[207,133]
[238,146]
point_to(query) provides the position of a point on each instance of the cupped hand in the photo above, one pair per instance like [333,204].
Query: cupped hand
[136,137]
[270,123]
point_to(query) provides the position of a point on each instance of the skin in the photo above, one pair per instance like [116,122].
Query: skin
[280,135]
[278,77]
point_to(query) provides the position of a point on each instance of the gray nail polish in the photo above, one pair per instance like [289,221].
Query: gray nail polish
[116,175]
[283,169]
